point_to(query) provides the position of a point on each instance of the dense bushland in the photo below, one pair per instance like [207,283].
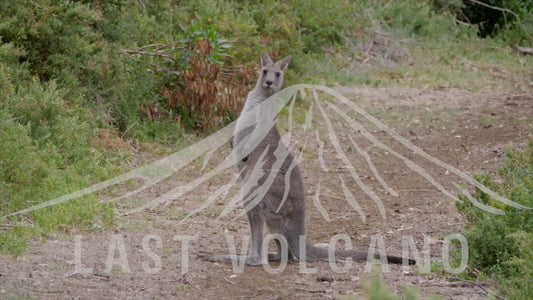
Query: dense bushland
[511,20]
[83,83]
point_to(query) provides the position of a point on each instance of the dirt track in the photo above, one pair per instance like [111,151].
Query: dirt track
[468,130]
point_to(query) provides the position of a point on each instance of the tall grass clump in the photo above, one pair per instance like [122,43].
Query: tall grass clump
[501,245]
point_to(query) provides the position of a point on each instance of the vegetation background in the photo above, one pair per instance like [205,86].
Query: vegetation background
[89,85]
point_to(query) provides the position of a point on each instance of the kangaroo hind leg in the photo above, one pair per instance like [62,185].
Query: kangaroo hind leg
[276,225]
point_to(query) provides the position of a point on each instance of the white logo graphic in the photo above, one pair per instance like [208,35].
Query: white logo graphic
[326,105]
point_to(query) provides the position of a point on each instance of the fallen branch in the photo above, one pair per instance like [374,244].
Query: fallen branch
[470,282]
[478,284]
[15,226]
[524,50]
[312,291]
[450,284]
[140,52]
[29,224]
[15,119]
[505,10]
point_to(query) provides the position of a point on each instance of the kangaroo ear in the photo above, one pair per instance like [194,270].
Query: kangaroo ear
[265,59]
[284,63]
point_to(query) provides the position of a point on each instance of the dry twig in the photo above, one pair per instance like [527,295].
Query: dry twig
[496,8]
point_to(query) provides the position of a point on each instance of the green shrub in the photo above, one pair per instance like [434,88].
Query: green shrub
[518,283]
[498,244]
[56,36]
[49,148]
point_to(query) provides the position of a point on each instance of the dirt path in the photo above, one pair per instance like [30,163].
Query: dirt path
[469,130]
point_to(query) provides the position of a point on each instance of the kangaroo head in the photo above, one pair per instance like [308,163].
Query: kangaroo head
[272,74]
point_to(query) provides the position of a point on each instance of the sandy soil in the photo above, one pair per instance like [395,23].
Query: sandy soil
[468,130]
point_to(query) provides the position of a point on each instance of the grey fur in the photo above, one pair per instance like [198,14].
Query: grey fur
[272,189]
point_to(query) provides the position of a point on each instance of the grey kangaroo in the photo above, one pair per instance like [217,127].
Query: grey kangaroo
[272,189]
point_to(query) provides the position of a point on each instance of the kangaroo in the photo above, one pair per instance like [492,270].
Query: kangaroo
[272,189]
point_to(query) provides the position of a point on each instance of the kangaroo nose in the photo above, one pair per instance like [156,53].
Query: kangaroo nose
[269,82]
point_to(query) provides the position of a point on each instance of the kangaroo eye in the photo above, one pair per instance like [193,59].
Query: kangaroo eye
[265,72]
[278,74]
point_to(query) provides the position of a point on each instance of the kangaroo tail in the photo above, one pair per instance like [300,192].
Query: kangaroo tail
[398,260]
[314,253]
